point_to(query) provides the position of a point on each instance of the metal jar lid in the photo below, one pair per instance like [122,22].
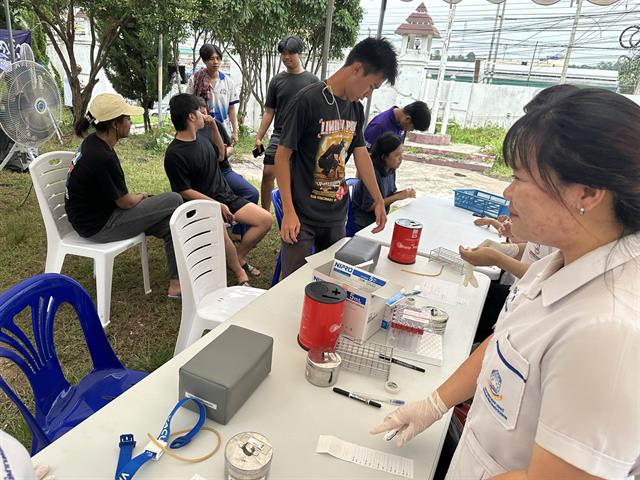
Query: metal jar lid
[248,456]
[321,358]
[408,223]
[325,292]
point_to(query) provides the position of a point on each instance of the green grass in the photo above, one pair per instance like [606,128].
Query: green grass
[489,137]
[143,328]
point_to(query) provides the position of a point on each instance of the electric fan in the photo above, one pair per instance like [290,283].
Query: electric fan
[30,107]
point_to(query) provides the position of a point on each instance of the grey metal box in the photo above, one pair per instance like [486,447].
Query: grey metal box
[359,250]
[227,371]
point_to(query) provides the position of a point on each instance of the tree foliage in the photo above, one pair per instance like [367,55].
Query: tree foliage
[629,77]
[132,64]
[252,29]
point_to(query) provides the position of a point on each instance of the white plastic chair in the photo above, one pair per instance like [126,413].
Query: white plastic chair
[197,230]
[49,174]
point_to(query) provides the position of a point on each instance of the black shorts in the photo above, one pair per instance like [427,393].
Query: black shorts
[234,202]
[270,153]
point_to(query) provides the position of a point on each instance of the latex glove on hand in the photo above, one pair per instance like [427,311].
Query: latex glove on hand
[509,249]
[413,418]
[42,473]
[469,277]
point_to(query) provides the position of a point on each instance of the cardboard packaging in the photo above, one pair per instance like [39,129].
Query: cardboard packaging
[226,372]
[366,295]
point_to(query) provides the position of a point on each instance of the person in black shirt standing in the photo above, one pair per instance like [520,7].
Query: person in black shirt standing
[282,88]
[97,201]
[320,129]
[191,164]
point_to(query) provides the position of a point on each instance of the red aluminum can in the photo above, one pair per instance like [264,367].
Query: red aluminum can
[321,315]
[405,240]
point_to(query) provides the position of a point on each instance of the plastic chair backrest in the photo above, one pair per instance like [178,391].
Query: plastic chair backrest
[43,294]
[276,200]
[49,177]
[351,222]
[197,230]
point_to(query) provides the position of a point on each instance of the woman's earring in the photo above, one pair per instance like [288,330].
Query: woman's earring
[581,211]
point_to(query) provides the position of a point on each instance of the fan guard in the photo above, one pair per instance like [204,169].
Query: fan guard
[30,106]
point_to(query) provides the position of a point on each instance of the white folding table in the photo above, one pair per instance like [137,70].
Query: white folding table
[285,408]
[443,225]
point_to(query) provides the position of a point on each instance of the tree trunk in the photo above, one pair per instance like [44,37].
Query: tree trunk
[147,120]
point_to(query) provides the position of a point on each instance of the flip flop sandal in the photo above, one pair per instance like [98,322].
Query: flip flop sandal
[251,270]
[177,296]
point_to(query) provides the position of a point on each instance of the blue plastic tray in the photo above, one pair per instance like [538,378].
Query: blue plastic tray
[482,203]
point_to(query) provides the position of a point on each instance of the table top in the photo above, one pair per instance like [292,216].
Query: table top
[285,408]
[443,225]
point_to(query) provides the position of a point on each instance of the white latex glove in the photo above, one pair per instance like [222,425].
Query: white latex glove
[42,473]
[413,418]
[469,277]
[509,249]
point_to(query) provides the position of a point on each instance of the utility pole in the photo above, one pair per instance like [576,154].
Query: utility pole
[160,67]
[327,40]
[497,45]
[442,69]
[383,7]
[567,56]
[533,59]
[7,18]
[493,38]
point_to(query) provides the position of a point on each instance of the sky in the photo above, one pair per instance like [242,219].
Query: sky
[525,24]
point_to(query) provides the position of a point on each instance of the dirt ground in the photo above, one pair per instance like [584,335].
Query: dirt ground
[427,180]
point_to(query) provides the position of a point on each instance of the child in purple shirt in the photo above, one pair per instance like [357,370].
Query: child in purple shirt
[415,116]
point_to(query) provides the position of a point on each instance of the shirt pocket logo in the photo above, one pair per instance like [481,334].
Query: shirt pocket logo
[504,382]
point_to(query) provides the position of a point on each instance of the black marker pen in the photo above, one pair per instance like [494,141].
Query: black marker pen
[373,403]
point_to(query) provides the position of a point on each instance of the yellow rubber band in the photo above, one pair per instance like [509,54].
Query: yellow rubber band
[169,452]
[422,274]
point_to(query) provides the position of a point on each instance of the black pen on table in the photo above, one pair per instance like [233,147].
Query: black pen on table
[403,364]
[373,403]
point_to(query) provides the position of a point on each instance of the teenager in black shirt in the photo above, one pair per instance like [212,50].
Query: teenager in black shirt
[191,164]
[97,201]
[321,128]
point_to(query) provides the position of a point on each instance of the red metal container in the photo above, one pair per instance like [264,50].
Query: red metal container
[321,315]
[405,240]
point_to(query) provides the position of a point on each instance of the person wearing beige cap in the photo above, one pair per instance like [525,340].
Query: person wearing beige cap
[97,201]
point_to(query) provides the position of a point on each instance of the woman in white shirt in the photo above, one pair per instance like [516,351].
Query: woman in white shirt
[556,387]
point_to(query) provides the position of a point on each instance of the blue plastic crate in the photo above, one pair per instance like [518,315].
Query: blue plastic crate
[483,203]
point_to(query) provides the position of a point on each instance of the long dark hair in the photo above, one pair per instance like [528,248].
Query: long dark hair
[588,137]
[385,144]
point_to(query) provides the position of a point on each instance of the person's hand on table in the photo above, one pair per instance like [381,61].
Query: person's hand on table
[381,216]
[407,193]
[413,418]
[290,228]
[479,256]
[488,222]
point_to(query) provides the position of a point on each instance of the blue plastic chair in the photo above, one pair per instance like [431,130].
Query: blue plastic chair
[351,221]
[276,200]
[59,406]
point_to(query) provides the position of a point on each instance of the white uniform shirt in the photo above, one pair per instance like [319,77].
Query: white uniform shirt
[562,370]
[223,96]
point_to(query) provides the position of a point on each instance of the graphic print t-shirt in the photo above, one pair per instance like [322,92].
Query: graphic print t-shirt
[321,140]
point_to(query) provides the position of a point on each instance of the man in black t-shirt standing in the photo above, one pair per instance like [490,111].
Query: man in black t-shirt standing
[322,126]
[282,88]
[191,163]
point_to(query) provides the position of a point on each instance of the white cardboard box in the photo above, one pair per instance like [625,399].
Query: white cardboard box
[366,295]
